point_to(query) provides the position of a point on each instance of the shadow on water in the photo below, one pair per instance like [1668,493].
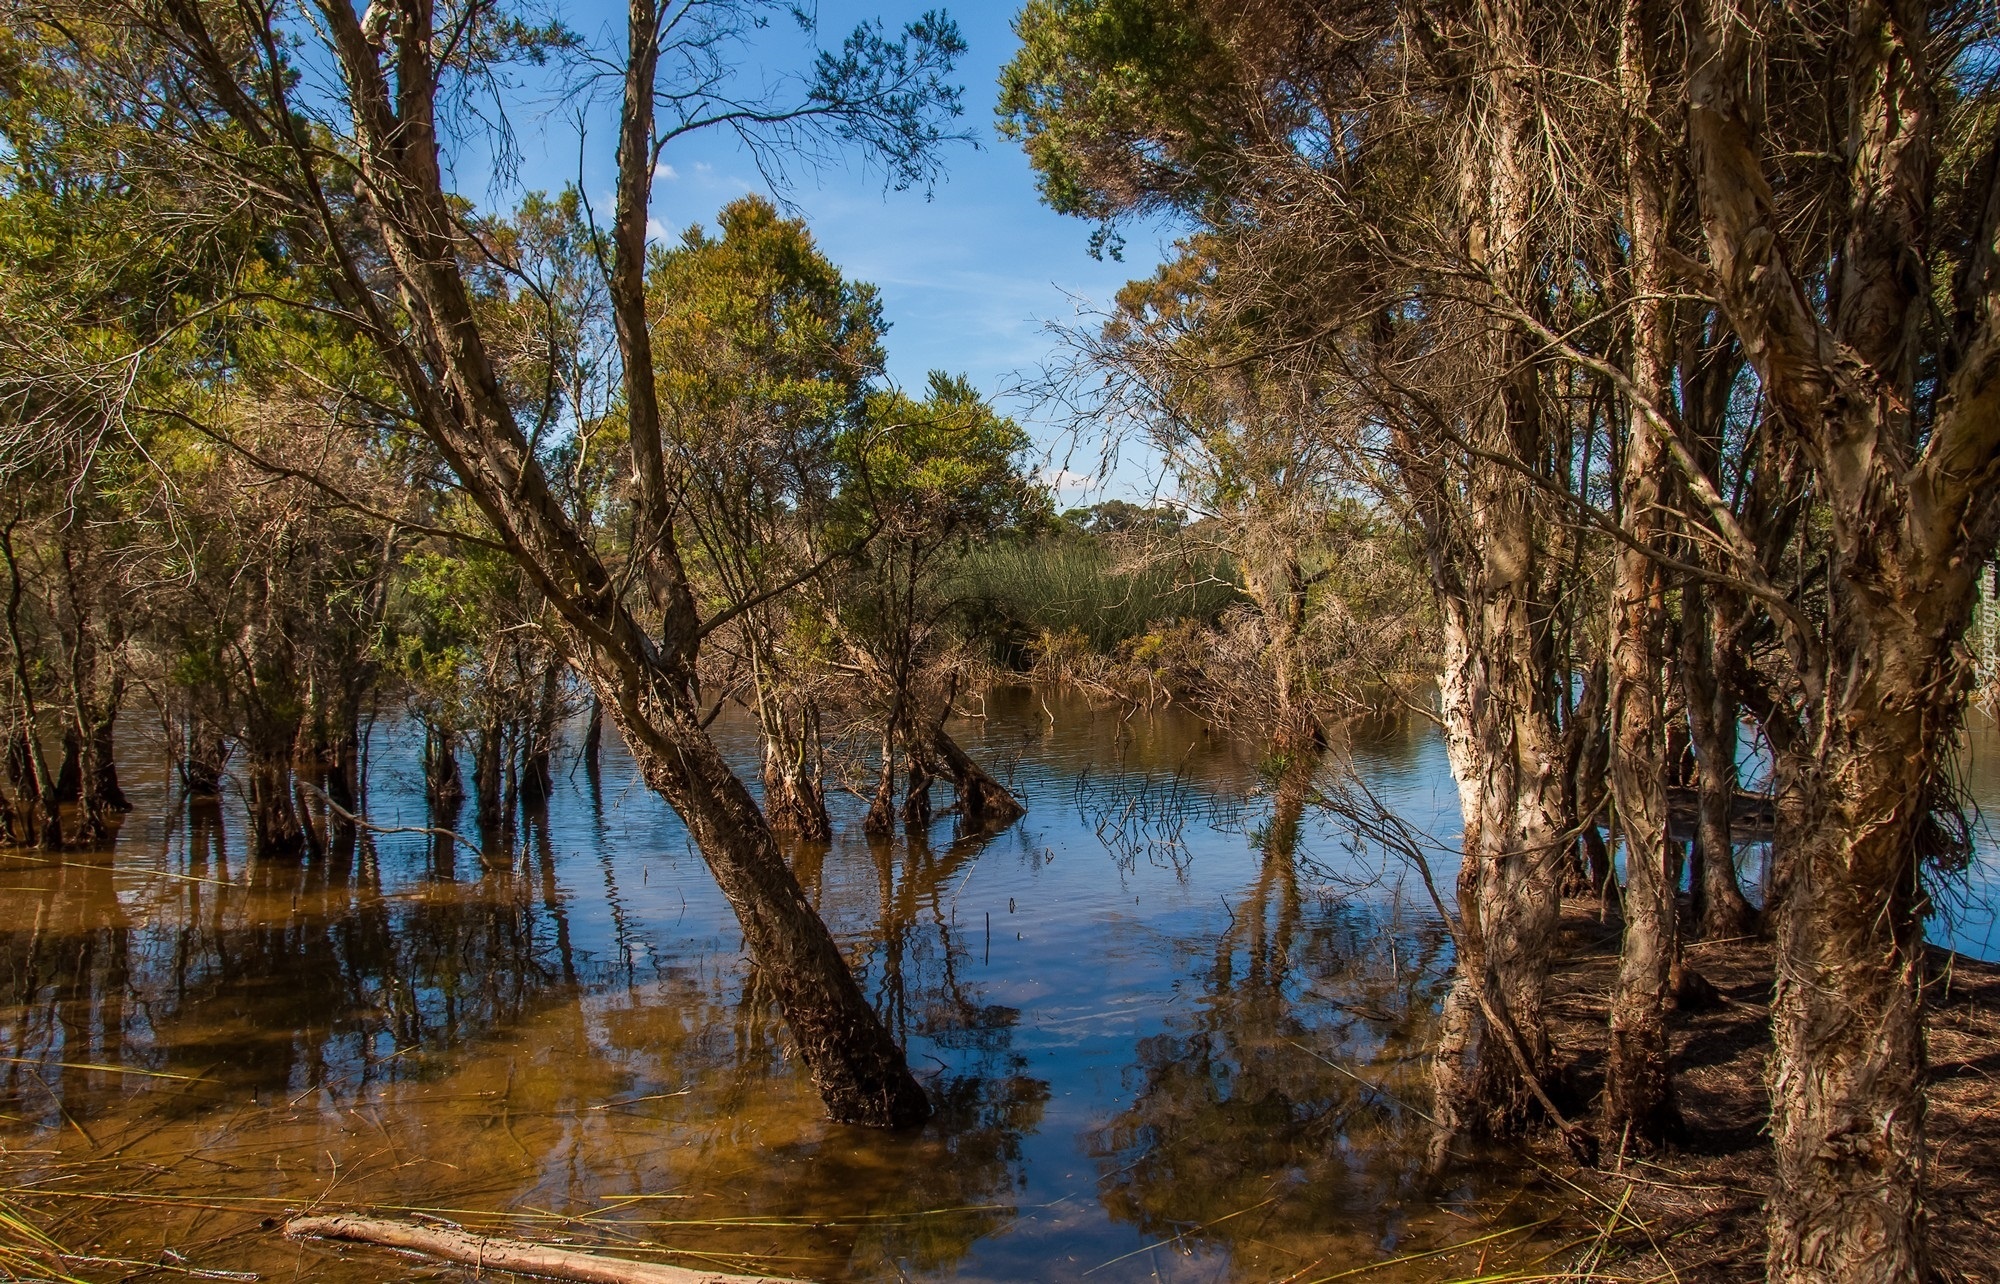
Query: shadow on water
[1173,1023]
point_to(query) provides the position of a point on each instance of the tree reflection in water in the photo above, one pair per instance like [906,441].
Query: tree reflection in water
[562,1038]
[1248,1132]
[261,1036]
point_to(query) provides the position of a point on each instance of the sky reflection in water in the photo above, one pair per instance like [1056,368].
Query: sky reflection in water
[1165,1040]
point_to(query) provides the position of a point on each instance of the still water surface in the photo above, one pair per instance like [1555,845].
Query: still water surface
[1169,1036]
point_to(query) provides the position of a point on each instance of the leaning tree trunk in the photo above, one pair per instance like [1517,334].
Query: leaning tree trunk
[983,802]
[859,1071]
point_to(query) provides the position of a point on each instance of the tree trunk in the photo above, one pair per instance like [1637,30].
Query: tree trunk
[593,736]
[1589,766]
[1638,1097]
[917,791]
[274,824]
[1721,911]
[1493,560]
[859,1071]
[1911,513]
[104,736]
[518,1257]
[1847,1107]
[488,776]
[794,802]
[444,785]
[983,802]
[42,806]
[881,817]
[201,757]
[538,779]
[1505,753]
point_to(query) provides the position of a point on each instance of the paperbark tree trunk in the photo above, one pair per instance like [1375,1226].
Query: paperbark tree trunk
[1505,751]
[1911,514]
[1638,1099]
[794,800]
[1491,556]
[1720,910]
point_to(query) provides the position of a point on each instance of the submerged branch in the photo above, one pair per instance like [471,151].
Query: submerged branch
[362,822]
[518,1256]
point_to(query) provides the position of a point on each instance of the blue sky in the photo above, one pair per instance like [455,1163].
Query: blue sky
[970,277]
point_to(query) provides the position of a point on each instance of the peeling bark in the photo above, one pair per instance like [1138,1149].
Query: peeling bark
[1638,1085]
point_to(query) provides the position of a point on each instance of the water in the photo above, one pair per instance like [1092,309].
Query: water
[1169,1038]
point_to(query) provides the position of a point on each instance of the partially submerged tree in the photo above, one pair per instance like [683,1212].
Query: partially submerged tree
[353,181]
[1750,250]
[928,479]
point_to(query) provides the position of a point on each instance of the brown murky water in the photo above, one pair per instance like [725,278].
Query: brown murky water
[1169,1038]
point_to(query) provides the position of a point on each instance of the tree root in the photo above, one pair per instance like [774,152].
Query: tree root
[513,1255]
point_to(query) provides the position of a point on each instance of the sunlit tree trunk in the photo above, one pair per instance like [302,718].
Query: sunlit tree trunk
[1499,685]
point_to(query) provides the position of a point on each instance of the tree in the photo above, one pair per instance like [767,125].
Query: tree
[768,353]
[929,478]
[1882,363]
[354,184]
[1358,185]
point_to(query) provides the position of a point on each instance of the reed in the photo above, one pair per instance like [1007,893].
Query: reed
[1018,592]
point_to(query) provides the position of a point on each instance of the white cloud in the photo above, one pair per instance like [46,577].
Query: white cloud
[655,230]
[1062,479]
[665,171]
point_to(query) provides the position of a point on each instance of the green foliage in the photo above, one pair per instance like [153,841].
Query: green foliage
[764,353]
[1020,591]
[758,333]
[1122,517]
[1095,82]
[943,469]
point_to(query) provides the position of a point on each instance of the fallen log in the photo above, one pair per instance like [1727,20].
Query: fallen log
[517,1256]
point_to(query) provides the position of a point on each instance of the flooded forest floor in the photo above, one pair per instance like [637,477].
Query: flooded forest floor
[1695,1210]
[1172,1036]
